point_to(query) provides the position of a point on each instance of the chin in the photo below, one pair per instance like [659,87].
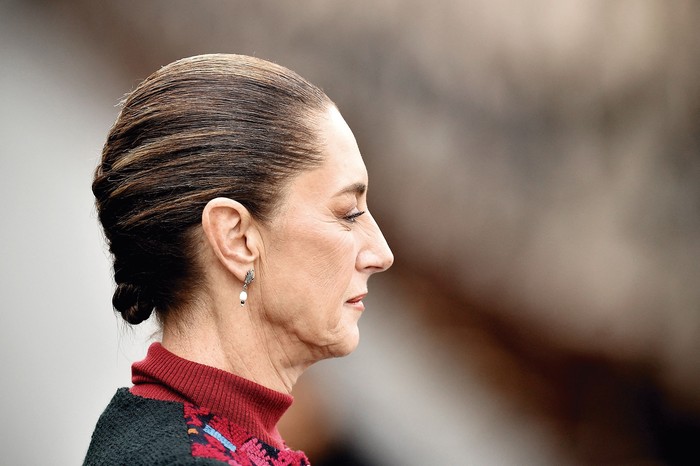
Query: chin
[347,345]
[334,345]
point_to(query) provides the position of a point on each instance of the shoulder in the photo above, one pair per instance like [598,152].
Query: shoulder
[140,431]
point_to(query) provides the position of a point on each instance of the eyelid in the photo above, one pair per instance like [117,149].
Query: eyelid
[352,217]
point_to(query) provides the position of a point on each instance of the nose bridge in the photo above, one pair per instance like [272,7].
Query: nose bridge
[378,253]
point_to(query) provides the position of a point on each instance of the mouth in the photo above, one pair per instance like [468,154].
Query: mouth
[357,301]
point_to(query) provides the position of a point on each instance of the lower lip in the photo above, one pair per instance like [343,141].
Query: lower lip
[359,305]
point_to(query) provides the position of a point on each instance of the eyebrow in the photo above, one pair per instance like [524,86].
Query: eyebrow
[355,188]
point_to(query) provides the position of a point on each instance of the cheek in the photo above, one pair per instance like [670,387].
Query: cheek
[331,267]
[316,267]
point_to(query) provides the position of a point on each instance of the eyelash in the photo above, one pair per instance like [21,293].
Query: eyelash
[352,217]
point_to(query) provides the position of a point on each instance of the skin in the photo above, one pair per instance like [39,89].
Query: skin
[312,263]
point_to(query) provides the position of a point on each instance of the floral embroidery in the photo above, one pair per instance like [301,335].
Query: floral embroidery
[216,438]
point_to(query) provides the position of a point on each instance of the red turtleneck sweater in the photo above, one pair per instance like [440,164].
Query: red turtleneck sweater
[165,376]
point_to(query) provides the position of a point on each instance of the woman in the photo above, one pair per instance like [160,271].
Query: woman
[233,198]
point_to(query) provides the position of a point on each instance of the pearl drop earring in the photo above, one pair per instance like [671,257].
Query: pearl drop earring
[249,277]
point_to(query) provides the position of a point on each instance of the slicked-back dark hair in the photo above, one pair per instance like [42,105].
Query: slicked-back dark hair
[199,128]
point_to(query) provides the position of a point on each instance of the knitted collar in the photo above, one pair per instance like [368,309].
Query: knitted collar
[165,376]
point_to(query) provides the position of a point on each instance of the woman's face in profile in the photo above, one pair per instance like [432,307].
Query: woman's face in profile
[321,248]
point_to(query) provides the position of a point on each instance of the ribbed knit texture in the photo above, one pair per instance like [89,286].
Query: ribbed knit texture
[164,376]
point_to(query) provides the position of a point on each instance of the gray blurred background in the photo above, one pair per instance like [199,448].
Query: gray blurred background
[533,164]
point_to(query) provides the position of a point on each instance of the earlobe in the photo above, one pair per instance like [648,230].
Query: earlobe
[230,232]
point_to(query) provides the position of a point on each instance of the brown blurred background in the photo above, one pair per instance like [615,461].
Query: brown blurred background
[534,166]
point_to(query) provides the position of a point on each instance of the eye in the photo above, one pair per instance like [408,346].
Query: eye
[351,218]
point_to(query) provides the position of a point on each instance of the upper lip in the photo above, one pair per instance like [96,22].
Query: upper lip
[357,298]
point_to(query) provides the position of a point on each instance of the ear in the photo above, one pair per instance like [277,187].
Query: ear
[231,233]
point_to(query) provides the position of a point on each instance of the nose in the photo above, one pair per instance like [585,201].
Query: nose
[375,256]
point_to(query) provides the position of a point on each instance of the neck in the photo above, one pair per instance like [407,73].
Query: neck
[237,345]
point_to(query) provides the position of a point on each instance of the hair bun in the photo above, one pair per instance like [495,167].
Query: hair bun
[132,302]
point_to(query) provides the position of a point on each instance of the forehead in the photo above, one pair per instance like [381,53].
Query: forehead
[340,146]
[342,164]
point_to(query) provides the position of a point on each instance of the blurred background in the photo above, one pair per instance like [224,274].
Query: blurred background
[534,166]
